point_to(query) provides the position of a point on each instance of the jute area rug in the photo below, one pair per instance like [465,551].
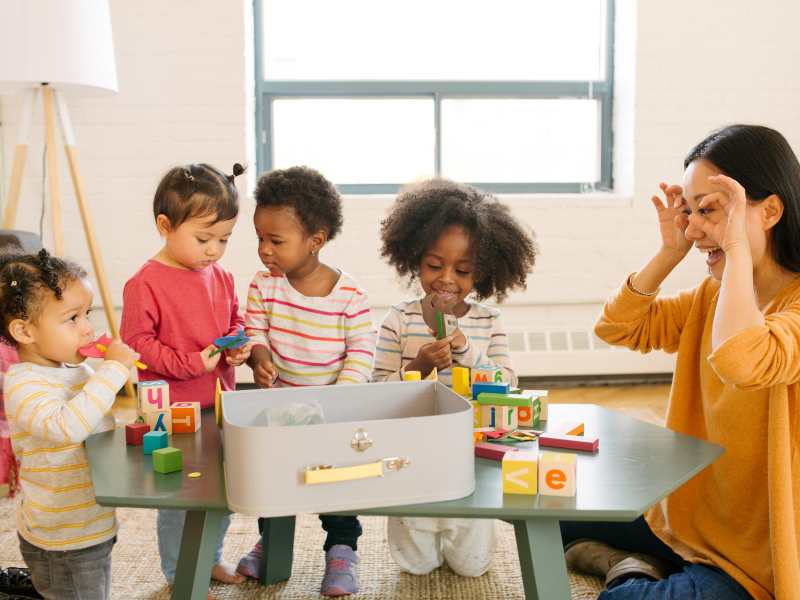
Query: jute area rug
[136,573]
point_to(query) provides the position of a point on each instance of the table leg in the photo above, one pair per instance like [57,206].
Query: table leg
[541,559]
[193,572]
[277,544]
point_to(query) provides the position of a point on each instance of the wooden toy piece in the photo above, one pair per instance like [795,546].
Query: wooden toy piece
[412,376]
[153,396]
[218,403]
[503,399]
[520,472]
[477,436]
[153,440]
[495,388]
[557,474]
[569,442]
[99,347]
[572,428]
[167,460]
[135,432]
[486,374]
[446,324]
[228,342]
[433,375]
[504,417]
[185,417]
[159,421]
[492,451]
[461,381]
[476,413]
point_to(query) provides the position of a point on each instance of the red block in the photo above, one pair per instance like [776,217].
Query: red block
[570,442]
[135,432]
[492,451]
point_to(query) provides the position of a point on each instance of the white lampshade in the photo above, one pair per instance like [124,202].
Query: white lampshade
[66,43]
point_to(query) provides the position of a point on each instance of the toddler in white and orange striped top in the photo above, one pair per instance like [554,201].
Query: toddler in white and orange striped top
[54,401]
[310,324]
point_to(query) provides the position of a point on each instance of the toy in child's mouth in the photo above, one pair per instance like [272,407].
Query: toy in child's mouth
[437,312]
[99,347]
[230,342]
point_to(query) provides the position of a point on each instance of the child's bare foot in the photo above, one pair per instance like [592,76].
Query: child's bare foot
[225,572]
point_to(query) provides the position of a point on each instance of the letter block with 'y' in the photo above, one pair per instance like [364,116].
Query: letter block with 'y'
[159,421]
[153,396]
[185,417]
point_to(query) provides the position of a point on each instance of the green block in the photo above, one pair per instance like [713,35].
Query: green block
[494,399]
[167,460]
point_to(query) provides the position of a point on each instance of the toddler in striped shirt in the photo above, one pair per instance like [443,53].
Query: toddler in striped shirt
[309,323]
[54,401]
[457,241]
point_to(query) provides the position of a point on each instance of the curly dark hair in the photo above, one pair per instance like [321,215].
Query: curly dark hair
[505,251]
[314,199]
[197,190]
[25,282]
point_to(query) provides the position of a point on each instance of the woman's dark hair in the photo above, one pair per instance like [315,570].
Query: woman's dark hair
[25,282]
[505,251]
[197,190]
[314,199]
[762,161]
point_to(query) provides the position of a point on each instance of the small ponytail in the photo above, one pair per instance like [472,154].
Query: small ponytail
[238,169]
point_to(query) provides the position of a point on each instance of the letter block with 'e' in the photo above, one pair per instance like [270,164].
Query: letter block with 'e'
[185,417]
[557,474]
[153,396]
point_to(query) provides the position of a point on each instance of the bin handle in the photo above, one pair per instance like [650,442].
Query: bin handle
[330,474]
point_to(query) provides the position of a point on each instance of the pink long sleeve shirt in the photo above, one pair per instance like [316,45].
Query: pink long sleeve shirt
[170,315]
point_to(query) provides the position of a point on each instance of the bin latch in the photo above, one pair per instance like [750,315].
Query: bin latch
[360,441]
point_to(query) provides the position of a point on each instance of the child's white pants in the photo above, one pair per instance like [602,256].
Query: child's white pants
[420,545]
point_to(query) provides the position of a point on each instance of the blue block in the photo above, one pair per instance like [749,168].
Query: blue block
[492,388]
[153,440]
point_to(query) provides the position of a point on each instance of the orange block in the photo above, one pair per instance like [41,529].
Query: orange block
[185,417]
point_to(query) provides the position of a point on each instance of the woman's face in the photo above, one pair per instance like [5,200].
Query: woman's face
[695,187]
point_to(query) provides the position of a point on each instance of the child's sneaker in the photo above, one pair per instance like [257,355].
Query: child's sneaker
[250,562]
[340,572]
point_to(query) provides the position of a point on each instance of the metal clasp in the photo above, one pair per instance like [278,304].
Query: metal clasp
[360,441]
[396,463]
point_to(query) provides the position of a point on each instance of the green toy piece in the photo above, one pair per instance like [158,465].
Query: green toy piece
[495,399]
[167,460]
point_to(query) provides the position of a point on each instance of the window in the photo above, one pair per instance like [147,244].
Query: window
[510,95]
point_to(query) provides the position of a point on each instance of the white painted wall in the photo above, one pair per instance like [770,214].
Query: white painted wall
[185,73]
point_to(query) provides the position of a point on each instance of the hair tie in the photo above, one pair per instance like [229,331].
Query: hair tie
[188,174]
[14,283]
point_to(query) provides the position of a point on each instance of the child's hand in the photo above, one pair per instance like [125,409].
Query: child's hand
[265,373]
[237,356]
[210,362]
[122,353]
[435,354]
[459,340]
[672,221]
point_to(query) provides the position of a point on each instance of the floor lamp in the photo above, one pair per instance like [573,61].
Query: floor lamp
[47,47]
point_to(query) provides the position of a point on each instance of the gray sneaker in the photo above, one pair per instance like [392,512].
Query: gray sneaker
[598,558]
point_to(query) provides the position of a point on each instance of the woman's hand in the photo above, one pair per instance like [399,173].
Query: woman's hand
[725,213]
[672,221]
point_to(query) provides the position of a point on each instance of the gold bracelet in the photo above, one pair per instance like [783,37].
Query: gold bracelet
[638,291]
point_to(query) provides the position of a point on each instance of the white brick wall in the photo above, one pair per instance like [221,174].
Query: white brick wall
[185,73]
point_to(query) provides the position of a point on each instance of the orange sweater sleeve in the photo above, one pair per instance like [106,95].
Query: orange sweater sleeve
[763,356]
[645,323]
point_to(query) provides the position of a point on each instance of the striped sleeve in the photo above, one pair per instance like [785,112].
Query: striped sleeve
[388,353]
[359,340]
[497,353]
[36,406]
[256,320]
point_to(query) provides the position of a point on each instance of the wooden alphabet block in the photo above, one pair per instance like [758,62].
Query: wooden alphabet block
[412,376]
[557,474]
[135,432]
[486,375]
[167,460]
[503,399]
[499,417]
[185,417]
[476,414]
[461,381]
[159,420]
[569,442]
[520,472]
[153,440]
[153,396]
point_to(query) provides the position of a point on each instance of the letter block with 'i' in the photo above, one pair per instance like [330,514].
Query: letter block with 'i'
[185,417]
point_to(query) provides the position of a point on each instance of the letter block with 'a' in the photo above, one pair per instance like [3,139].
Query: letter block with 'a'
[153,396]
[185,417]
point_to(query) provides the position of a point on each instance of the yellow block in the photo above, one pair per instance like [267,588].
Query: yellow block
[461,381]
[520,472]
[476,413]
[412,376]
